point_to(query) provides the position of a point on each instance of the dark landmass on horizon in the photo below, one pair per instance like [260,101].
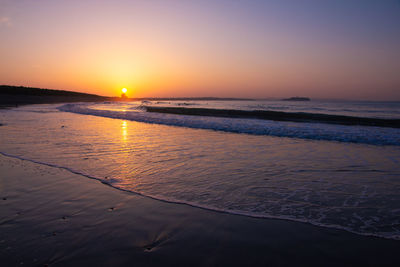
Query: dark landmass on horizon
[207,98]
[279,116]
[22,90]
[296,98]
[21,95]
[11,95]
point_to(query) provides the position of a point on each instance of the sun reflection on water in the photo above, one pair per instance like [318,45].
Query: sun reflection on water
[124,131]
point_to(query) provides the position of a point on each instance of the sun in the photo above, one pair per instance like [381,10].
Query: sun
[124,90]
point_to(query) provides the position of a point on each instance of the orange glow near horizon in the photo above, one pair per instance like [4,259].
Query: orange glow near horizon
[200,48]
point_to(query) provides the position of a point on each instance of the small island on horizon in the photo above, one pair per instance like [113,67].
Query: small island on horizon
[11,95]
[199,133]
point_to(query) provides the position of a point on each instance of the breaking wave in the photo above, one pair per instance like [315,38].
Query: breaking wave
[305,130]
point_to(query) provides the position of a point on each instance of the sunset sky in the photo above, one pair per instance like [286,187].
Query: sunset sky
[348,49]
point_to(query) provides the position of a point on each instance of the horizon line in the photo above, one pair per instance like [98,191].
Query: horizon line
[210,98]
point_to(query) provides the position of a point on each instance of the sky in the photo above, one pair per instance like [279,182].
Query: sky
[340,49]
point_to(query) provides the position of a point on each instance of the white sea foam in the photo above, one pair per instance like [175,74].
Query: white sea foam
[110,182]
[333,184]
[314,131]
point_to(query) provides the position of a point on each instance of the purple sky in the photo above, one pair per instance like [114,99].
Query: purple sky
[347,49]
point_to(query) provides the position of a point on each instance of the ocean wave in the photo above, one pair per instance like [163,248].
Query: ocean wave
[305,130]
[279,116]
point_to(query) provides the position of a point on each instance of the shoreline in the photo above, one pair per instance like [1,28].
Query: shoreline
[197,206]
[51,216]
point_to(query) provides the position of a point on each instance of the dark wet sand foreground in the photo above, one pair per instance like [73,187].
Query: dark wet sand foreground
[51,217]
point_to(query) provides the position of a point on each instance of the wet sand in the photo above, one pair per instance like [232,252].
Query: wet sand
[51,217]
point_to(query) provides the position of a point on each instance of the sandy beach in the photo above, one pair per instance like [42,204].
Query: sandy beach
[199,133]
[51,217]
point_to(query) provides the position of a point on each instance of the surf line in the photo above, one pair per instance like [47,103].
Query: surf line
[204,207]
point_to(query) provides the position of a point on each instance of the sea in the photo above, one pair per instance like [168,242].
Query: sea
[326,174]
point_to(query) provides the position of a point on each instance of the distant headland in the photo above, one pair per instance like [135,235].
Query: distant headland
[21,95]
[296,98]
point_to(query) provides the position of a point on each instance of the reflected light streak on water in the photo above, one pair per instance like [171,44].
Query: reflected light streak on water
[343,185]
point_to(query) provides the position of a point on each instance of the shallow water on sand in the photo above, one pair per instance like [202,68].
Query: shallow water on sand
[336,184]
